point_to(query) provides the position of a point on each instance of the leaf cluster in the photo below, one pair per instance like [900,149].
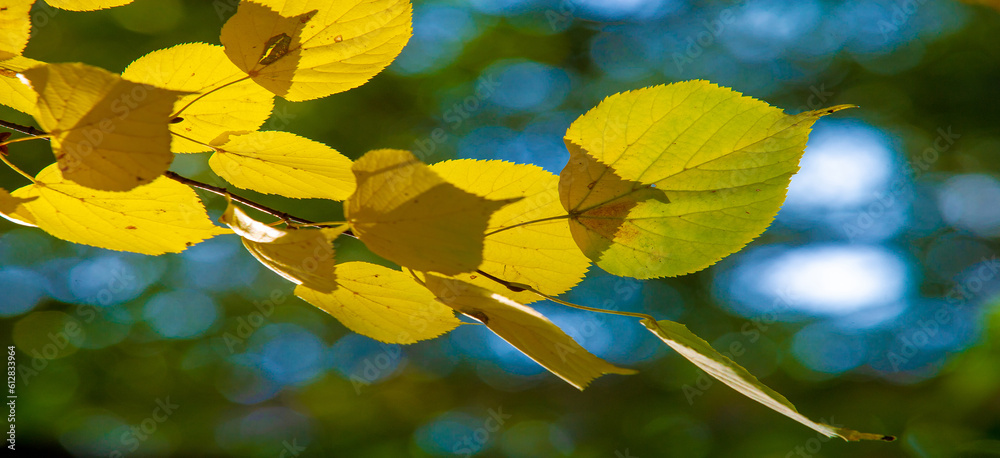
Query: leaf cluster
[661,181]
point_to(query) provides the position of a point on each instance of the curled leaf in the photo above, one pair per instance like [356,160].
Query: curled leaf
[525,329]
[699,352]
[302,256]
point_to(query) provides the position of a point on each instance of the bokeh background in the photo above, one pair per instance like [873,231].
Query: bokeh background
[871,302]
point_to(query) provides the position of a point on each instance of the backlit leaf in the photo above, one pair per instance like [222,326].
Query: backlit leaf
[15,21]
[86,5]
[699,352]
[221,99]
[542,255]
[12,208]
[281,163]
[161,217]
[307,49]
[525,329]
[107,133]
[406,213]
[384,304]
[302,256]
[13,92]
[668,180]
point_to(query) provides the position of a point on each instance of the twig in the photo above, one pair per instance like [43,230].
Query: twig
[28,130]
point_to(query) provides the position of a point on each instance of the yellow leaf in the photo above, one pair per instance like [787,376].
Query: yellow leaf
[307,49]
[302,256]
[542,255]
[281,163]
[406,213]
[15,21]
[699,352]
[107,133]
[13,92]
[161,217]
[667,180]
[221,99]
[86,5]
[525,329]
[12,208]
[384,304]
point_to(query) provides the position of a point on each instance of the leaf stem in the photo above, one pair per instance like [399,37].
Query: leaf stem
[185,107]
[551,218]
[518,287]
[14,167]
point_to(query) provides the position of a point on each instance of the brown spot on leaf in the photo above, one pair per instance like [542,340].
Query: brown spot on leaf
[130,227]
[479,316]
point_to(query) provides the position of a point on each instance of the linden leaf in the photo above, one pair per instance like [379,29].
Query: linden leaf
[282,163]
[406,213]
[107,133]
[15,21]
[541,254]
[699,352]
[668,180]
[161,217]
[86,5]
[307,49]
[12,208]
[221,99]
[13,92]
[384,304]
[525,329]
[302,256]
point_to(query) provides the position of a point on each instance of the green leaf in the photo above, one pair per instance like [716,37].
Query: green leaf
[699,352]
[667,180]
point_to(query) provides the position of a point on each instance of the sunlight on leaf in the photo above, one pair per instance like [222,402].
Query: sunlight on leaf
[699,352]
[406,213]
[87,5]
[302,256]
[218,101]
[12,208]
[15,21]
[525,329]
[107,133]
[161,217]
[13,92]
[541,255]
[668,180]
[307,49]
[384,304]
[282,163]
